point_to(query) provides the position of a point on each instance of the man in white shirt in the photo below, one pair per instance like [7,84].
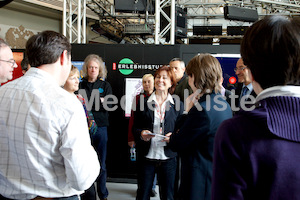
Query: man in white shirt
[7,62]
[45,148]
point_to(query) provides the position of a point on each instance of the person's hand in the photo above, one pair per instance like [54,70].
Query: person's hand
[191,100]
[102,99]
[146,137]
[167,139]
[131,144]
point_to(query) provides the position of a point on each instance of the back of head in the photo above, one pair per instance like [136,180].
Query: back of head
[271,50]
[46,47]
[207,72]
[24,63]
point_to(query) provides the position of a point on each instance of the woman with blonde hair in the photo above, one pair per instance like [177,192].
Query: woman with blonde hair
[148,87]
[194,139]
[72,85]
[93,81]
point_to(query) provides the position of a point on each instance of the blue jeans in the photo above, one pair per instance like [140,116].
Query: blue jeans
[165,170]
[154,182]
[99,141]
[68,198]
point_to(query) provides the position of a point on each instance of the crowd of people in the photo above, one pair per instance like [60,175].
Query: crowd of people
[53,144]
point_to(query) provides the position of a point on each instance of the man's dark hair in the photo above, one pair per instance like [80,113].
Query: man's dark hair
[271,50]
[24,63]
[46,47]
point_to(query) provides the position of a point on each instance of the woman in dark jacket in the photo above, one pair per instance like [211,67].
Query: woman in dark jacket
[95,88]
[206,109]
[157,115]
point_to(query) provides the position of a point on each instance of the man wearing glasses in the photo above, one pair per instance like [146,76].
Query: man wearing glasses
[7,62]
[244,87]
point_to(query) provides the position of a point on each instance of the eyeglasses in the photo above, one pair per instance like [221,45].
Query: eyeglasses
[12,62]
[239,69]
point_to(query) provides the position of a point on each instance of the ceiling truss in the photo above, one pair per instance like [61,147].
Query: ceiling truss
[198,12]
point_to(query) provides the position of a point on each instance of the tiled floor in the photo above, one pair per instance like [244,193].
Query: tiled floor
[124,191]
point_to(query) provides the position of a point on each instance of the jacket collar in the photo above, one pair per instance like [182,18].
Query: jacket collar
[152,101]
[152,98]
[287,90]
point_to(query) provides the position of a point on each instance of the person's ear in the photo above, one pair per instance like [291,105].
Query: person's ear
[64,57]
[251,77]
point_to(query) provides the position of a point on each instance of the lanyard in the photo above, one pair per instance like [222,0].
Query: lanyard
[161,114]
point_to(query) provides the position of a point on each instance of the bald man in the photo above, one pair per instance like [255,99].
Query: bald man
[7,62]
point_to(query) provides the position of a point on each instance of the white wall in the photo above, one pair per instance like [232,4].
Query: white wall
[13,22]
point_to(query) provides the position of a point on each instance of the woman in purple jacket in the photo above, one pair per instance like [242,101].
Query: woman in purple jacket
[256,153]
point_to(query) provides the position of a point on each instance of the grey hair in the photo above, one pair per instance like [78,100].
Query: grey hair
[182,64]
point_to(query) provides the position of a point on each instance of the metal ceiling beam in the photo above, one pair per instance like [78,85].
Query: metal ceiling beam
[200,9]
[170,26]
[74,20]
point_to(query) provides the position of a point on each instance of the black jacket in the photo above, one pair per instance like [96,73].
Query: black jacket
[181,86]
[101,88]
[143,120]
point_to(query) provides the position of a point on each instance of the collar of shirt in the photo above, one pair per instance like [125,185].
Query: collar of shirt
[182,78]
[287,90]
[249,86]
[33,71]
[153,98]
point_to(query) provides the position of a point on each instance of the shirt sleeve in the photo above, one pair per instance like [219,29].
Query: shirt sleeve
[80,159]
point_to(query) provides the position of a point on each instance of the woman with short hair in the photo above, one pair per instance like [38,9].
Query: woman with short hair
[154,122]
[205,110]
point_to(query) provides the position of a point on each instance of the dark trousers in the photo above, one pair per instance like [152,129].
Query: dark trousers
[177,179]
[165,170]
[89,194]
[99,141]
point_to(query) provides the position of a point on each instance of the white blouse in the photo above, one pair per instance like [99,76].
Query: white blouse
[156,150]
